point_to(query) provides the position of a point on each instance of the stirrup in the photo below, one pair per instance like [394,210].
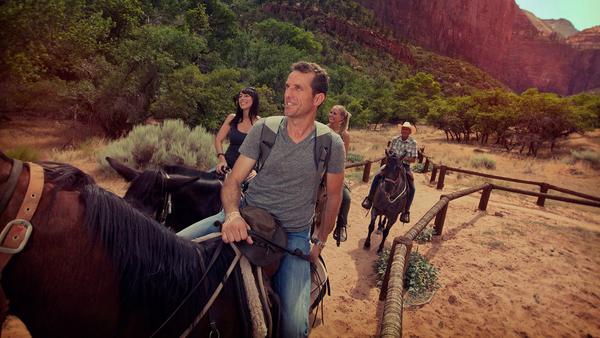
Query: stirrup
[340,234]
[405,217]
[367,203]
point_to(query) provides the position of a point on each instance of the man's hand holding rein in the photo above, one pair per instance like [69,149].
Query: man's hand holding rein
[235,228]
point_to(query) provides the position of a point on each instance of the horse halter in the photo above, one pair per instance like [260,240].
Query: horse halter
[395,183]
[16,233]
[165,210]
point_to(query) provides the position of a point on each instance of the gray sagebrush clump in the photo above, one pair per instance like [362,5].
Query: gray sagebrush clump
[172,142]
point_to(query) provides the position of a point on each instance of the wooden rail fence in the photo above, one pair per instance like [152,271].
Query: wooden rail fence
[367,169]
[392,288]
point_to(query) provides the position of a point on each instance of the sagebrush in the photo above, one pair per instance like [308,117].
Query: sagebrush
[421,277]
[591,157]
[483,162]
[157,145]
[24,153]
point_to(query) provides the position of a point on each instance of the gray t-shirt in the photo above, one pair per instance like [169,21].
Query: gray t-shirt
[285,186]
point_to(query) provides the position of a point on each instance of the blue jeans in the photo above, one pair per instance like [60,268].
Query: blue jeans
[291,282]
[203,227]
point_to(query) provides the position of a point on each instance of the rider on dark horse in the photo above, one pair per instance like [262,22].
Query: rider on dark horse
[286,185]
[398,145]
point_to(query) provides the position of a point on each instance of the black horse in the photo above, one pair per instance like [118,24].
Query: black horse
[177,196]
[390,197]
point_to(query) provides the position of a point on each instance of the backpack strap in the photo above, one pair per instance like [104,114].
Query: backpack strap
[322,147]
[323,143]
[322,150]
[268,135]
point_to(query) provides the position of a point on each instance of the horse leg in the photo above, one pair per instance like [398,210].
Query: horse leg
[381,224]
[386,231]
[371,228]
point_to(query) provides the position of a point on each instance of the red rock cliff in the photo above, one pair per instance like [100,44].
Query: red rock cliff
[495,35]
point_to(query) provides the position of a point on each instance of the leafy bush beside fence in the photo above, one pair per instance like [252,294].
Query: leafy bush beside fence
[156,145]
[421,278]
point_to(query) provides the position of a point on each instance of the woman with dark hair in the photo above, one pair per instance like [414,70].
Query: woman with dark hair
[235,127]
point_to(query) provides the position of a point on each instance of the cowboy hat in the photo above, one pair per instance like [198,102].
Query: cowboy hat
[412,128]
[267,234]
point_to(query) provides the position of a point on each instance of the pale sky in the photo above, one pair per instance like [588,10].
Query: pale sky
[582,13]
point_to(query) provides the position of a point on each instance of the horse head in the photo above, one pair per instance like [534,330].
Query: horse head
[394,174]
[176,195]
[150,190]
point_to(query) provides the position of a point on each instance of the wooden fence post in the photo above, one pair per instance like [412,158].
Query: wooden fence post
[485,197]
[544,190]
[433,173]
[386,278]
[440,184]
[367,172]
[440,218]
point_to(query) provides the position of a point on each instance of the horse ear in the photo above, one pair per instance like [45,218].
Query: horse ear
[129,174]
[175,182]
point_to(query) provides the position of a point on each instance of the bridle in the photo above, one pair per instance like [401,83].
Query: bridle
[167,206]
[16,233]
[396,183]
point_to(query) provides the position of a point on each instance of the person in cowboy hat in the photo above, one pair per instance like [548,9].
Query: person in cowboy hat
[398,145]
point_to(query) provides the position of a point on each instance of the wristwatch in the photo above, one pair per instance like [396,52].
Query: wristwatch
[318,242]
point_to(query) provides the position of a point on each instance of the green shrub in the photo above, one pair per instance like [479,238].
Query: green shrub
[381,265]
[591,157]
[483,162]
[420,279]
[23,153]
[425,236]
[156,145]
[420,167]
[352,157]
[421,276]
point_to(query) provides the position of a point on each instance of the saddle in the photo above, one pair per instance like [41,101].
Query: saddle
[270,244]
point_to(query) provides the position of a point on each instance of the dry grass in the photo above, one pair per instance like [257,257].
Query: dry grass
[67,142]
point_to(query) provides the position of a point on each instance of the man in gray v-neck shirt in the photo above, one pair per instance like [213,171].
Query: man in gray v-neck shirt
[286,186]
[283,185]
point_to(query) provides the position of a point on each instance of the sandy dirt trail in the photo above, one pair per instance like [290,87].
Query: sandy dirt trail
[517,270]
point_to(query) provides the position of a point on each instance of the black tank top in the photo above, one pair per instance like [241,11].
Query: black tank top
[236,138]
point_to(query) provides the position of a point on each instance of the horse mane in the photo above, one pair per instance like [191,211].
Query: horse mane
[157,269]
[65,176]
[145,184]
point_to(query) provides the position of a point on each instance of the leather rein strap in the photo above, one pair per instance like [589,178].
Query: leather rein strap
[16,233]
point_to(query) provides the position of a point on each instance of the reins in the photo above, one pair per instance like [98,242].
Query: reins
[214,295]
[296,252]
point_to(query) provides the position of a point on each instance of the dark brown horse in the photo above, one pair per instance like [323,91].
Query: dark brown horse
[177,196]
[95,267]
[390,197]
